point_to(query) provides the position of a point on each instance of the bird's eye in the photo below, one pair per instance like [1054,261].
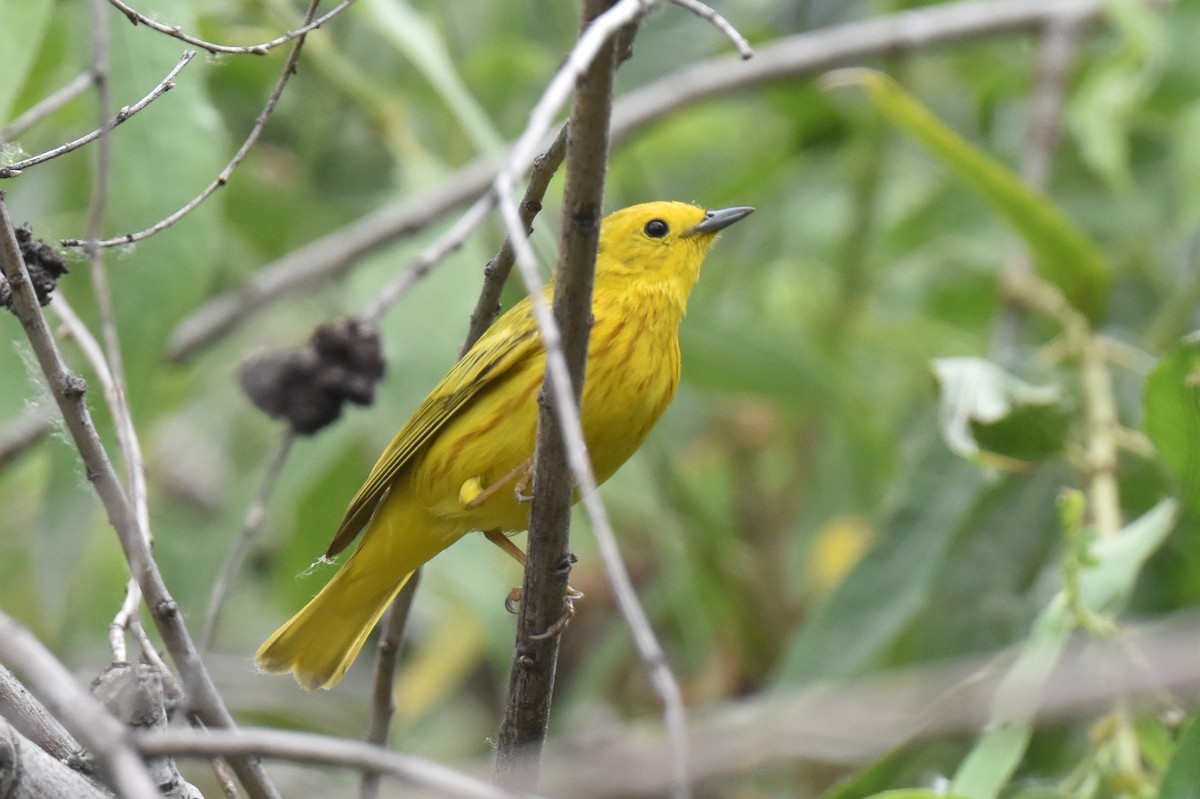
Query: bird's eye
[656,228]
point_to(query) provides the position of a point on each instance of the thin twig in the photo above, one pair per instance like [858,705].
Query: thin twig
[786,59]
[127,437]
[22,433]
[202,698]
[495,274]
[429,257]
[104,736]
[164,86]
[47,106]
[251,524]
[174,31]
[323,259]
[383,691]
[320,750]
[731,33]
[289,69]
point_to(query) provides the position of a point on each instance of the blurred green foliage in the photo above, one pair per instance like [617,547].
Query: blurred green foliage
[798,514]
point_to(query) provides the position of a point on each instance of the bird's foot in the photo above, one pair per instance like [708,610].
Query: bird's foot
[569,600]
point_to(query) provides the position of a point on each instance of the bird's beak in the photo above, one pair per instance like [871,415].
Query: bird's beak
[719,220]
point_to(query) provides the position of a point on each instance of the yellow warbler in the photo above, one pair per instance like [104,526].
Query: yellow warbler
[461,463]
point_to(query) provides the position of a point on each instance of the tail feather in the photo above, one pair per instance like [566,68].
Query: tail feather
[319,643]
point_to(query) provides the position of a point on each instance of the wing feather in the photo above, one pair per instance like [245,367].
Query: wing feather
[507,343]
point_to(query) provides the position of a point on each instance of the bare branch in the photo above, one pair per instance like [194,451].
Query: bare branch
[47,106]
[27,772]
[68,389]
[174,31]
[164,86]
[721,24]
[853,722]
[432,255]
[325,750]
[30,718]
[548,564]
[103,735]
[23,433]
[495,273]
[255,515]
[789,58]
[383,691]
[323,259]
[289,69]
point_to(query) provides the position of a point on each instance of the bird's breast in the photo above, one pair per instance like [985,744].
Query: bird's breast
[632,373]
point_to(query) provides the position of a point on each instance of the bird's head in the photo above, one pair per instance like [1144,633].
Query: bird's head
[660,246]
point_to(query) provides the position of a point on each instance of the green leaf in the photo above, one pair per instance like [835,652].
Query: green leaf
[21,33]
[1171,417]
[1105,587]
[1104,107]
[1063,255]
[423,44]
[1183,772]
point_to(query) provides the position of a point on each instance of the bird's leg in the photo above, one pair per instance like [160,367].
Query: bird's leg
[472,494]
[514,596]
[512,550]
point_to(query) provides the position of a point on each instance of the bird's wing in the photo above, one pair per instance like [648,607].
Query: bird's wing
[507,343]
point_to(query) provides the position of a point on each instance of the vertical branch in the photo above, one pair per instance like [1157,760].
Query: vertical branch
[383,695]
[203,701]
[535,656]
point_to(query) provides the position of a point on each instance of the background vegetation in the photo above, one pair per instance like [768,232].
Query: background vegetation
[864,470]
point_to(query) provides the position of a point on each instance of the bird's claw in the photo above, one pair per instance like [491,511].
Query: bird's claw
[563,620]
[569,600]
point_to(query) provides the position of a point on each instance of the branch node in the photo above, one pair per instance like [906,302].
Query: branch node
[74,386]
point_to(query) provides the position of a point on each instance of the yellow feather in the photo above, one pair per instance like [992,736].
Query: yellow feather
[478,426]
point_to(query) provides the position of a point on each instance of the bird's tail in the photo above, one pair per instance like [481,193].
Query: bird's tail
[319,643]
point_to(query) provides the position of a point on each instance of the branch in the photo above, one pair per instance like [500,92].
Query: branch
[497,270]
[68,390]
[721,24]
[383,691]
[255,515]
[22,433]
[164,86]
[27,772]
[320,750]
[853,722]
[31,719]
[289,69]
[548,564]
[47,106]
[174,31]
[432,255]
[787,59]
[103,735]
[323,259]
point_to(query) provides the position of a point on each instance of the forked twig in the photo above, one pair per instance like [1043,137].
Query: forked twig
[47,106]
[289,69]
[721,24]
[164,86]
[137,18]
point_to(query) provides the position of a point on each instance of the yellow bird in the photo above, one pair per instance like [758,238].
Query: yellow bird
[461,463]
